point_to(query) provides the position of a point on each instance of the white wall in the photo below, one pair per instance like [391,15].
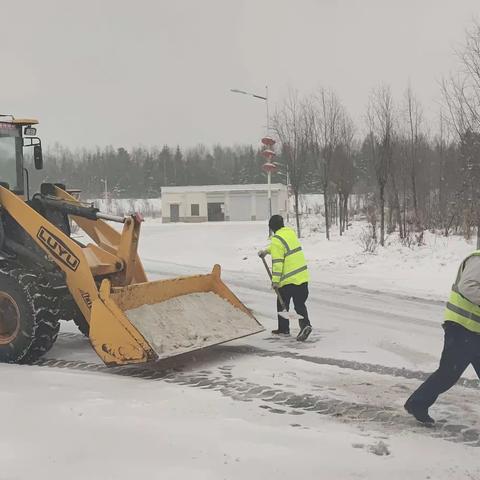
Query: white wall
[239,205]
[184,200]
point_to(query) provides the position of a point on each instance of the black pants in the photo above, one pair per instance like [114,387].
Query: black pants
[461,348]
[299,295]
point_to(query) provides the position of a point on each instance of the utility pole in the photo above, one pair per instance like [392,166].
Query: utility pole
[269,167]
[105,190]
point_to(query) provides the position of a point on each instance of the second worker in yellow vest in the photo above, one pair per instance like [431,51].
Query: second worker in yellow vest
[462,340]
[289,274]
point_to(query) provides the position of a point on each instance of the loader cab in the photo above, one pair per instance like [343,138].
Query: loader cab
[15,134]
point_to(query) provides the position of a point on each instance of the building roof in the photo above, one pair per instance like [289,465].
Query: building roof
[6,118]
[255,187]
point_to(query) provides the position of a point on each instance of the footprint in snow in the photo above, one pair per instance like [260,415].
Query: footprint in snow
[380,448]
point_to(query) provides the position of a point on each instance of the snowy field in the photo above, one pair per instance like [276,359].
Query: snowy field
[261,407]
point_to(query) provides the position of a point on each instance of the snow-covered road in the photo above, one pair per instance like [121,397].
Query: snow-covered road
[259,407]
[368,325]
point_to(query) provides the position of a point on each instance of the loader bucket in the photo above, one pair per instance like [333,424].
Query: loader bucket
[169,317]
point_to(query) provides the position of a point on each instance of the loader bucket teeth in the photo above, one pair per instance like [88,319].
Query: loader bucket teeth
[165,318]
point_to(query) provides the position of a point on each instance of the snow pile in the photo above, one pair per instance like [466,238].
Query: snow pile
[190,322]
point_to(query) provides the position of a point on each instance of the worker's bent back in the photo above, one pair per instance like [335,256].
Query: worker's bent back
[288,261]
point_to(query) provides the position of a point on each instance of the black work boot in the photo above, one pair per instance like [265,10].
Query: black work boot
[304,333]
[419,412]
[281,332]
[305,329]
[283,327]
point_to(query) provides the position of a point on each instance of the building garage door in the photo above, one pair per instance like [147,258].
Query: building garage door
[240,206]
[215,212]
[262,206]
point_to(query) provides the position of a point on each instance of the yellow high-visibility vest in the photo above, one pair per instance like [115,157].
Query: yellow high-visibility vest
[288,261]
[461,310]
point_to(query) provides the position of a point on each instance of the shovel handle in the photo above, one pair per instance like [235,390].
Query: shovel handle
[280,299]
[267,268]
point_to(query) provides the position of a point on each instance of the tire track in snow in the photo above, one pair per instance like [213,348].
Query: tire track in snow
[264,352]
[347,364]
[281,401]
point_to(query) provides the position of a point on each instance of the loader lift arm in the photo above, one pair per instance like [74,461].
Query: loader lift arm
[79,266]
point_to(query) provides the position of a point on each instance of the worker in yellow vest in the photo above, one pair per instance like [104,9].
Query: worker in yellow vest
[289,274]
[462,340]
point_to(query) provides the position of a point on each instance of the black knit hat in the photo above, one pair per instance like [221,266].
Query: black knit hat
[275,223]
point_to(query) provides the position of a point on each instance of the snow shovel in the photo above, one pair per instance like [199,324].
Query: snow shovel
[284,313]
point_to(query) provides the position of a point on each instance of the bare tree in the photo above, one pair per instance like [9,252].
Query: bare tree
[327,116]
[343,170]
[380,121]
[291,127]
[398,180]
[413,116]
[461,93]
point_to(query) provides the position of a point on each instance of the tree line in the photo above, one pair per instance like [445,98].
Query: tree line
[411,179]
[142,172]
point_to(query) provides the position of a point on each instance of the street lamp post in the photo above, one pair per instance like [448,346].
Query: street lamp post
[269,166]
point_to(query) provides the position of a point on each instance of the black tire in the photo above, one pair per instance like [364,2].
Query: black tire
[80,322]
[35,327]
[70,311]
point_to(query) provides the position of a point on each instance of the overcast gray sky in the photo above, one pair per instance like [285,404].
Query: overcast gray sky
[152,72]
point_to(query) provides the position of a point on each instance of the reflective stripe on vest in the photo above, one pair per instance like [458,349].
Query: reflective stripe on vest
[289,265]
[291,274]
[288,251]
[295,250]
[463,313]
[461,310]
[285,244]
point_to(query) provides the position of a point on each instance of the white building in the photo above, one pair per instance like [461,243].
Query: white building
[222,202]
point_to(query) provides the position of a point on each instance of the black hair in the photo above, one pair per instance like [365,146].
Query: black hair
[275,223]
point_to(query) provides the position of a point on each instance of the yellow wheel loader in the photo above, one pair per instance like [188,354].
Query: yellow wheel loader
[47,276]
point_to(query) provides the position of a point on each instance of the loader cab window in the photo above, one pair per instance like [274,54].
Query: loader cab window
[11,158]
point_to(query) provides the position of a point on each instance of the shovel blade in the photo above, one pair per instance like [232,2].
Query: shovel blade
[290,315]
